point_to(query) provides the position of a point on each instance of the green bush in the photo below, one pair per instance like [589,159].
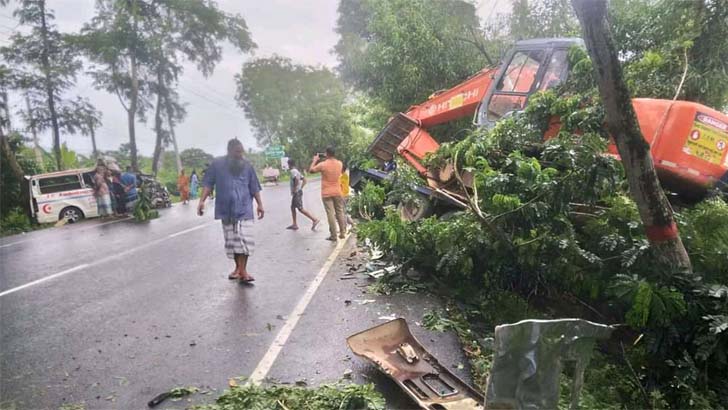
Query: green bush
[16,221]
[551,223]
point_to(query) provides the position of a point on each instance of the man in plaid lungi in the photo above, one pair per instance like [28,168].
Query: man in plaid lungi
[237,185]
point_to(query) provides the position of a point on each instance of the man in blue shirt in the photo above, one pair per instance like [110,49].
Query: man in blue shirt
[129,182]
[237,185]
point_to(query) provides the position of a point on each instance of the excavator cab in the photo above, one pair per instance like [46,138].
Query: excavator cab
[530,66]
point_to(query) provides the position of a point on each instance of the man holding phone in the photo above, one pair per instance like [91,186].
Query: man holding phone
[330,170]
[237,186]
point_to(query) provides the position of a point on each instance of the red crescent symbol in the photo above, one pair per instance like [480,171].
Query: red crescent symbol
[47,208]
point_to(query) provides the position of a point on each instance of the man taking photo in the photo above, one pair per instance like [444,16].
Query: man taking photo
[330,170]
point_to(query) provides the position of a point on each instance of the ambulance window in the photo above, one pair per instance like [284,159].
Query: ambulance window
[59,184]
[521,72]
[88,179]
[556,71]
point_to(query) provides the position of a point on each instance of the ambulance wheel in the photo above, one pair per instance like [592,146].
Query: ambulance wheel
[71,214]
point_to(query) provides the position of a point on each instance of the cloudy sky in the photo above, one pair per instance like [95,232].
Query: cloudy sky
[302,30]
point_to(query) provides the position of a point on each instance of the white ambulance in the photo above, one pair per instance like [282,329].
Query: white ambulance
[63,195]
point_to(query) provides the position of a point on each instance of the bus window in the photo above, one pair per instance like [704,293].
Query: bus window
[59,184]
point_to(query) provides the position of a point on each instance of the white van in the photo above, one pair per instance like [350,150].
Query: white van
[63,195]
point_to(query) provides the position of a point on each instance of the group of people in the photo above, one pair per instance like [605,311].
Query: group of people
[237,186]
[334,193]
[115,191]
[187,186]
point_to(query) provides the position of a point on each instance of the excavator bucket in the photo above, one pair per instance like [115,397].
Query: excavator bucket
[397,353]
[384,146]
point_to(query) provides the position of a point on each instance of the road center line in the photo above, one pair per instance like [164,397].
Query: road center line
[103,260]
[265,364]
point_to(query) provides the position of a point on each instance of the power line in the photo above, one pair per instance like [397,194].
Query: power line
[212,97]
[226,109]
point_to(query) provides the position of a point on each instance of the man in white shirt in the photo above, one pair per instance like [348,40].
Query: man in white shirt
[298,181]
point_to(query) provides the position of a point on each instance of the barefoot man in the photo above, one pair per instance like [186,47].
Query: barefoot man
[298,181]
[237,185]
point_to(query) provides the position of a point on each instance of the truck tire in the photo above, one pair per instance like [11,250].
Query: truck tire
[415,210]
[71,213]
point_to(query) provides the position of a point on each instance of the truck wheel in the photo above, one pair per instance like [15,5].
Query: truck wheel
[71,213]
[416,209]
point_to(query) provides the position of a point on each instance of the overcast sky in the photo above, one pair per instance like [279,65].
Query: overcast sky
[302,30]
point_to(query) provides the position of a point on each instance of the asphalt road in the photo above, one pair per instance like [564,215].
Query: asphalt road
[110,314]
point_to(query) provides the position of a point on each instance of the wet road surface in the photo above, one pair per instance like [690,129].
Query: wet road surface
[109,315]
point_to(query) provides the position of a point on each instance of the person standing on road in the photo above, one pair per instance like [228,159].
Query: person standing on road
[237,186]
[330,170]
[298,181]
[183,186]
[194,184]
[344,181]
[129,183]
[101,192]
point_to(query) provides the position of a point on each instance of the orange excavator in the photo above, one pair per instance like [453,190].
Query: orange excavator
[689,141]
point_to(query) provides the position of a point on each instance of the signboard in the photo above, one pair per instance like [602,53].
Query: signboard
[274,151]
[708,138]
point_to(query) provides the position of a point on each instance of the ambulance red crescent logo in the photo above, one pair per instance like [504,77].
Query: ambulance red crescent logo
[47,208]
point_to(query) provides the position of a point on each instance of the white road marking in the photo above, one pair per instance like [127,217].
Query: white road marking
[103,260]
[79,230]
[187,230]
[41,280]
[265,364]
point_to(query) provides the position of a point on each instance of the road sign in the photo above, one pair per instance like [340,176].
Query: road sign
[274,151]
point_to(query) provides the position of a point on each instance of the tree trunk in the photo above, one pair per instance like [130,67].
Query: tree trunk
[170,121]
[92,131]
[134,95]
[622,125]
[8,155]
[6,108]
[36,145]
[158,124]
[49,88]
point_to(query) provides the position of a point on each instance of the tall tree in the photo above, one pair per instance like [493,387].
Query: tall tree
[194,32]
[400,51]
[297,106]
[542,18]
[138,44]
[656,39]
[46,67]
[622,125]
[88,121]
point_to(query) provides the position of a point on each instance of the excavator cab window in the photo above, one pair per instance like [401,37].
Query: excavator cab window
[515,84]
[527,71]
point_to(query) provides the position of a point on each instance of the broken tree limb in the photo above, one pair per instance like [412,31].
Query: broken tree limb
[621,122]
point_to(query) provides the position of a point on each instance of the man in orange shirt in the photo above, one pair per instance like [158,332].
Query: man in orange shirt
[330,170]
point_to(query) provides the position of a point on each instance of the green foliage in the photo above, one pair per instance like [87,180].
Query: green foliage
[195,159]
[299,107]
[15,221]
[542,19]
[324,397]
[369,202]
[552,219]
[704,229]
[399,52]
[143,210]
[656,36]
[12,188]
